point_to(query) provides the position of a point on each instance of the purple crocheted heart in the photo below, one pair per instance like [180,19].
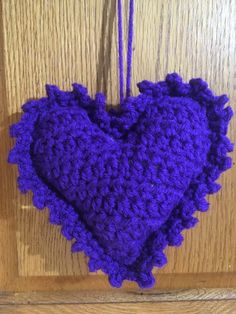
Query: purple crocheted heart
[126,182]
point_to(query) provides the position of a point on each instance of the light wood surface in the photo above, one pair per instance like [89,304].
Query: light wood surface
[197,307]
[66,41]
[115,296]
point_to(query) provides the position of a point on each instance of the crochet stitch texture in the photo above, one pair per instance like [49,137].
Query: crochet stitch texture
[124,183]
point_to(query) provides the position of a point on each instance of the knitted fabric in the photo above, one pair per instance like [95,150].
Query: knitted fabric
[124,183]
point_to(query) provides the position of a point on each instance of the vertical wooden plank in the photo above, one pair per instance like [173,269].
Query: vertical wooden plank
[8,250]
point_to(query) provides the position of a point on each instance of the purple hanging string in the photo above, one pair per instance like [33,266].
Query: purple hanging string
[129,50]
[121,69]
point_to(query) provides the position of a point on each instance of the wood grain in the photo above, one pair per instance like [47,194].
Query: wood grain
[66,41]
[115,296]
[197,307]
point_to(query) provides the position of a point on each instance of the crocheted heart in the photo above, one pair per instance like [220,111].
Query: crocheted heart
[124,183]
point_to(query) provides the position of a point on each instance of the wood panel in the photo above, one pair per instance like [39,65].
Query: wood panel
[197,307]
[66,41]
[116,296]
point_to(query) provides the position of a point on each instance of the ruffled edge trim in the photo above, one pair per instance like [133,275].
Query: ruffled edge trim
[181,218]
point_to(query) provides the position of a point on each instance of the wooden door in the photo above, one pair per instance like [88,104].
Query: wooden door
[66,41]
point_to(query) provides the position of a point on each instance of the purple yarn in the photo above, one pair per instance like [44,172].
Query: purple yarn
[124,183]
[120,43]
[129,50]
